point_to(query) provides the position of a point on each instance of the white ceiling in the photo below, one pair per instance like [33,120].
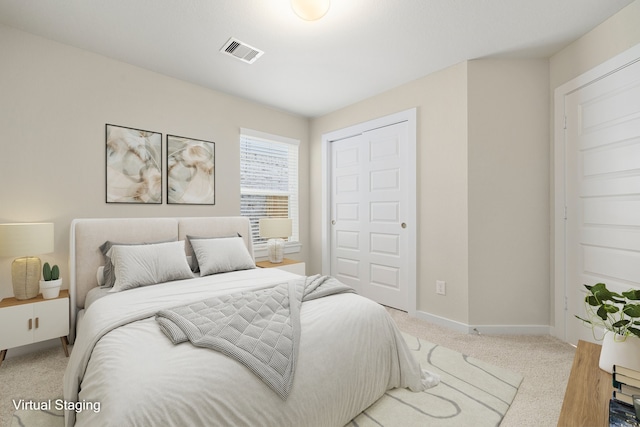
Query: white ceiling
[360,48]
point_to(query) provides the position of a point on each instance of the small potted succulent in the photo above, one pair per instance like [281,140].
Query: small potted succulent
[50,285]
[619,316]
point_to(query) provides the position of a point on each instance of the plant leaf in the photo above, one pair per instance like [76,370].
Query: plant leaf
[588,321]
[635,331]
[591,300]
[601,292]
[621,323]
[602,313]
[633,294]
[632,310]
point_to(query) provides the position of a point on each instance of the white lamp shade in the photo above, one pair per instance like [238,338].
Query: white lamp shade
[25,239]
[310,10]
[275,228]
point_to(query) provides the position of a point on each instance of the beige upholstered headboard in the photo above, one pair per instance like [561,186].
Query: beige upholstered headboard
[88,234]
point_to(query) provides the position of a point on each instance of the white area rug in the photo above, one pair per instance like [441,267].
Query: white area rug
[26,418]
[470,393]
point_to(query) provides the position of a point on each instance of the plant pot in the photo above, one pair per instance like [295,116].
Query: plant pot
[50,288]
[616,350]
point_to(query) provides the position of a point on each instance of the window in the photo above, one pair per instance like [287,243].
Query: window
[268,182]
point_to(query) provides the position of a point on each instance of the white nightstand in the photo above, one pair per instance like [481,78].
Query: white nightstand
[290,265]
[37,319]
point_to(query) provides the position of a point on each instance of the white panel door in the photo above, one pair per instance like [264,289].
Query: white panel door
[602,190]
[368,204]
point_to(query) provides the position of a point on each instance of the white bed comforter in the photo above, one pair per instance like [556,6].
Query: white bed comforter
[350,353]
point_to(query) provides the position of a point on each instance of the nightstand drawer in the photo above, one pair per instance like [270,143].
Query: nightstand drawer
[290,265]
[297,268]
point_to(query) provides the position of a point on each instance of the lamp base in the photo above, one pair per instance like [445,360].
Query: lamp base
[25,277]
[275,250]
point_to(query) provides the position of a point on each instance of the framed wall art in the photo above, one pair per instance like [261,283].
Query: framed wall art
[190,171]
[133,165]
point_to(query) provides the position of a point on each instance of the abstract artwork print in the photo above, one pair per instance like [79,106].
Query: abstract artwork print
[133,165]
[190,171]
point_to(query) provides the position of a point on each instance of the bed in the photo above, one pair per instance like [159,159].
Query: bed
[148,351]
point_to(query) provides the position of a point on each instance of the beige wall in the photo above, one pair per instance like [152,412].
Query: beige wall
[479,158]
[613,36]
[508,192]
[54,103]
[441,104]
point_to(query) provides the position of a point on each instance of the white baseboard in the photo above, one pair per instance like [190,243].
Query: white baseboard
[511,329]
[484,329]
[441,321]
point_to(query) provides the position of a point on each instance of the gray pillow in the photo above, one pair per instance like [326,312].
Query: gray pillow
[143,265]
[109,273]
[221,255]
[195,267]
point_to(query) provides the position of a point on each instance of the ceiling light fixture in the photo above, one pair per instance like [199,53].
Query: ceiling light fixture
[310,10]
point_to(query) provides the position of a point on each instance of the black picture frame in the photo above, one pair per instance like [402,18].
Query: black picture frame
[190,171]
[133,165]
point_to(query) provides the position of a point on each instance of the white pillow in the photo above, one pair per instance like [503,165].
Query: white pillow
[142,265]
[100,276]
[221,255]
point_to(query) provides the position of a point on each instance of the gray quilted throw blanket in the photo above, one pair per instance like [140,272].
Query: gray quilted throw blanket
[260,329]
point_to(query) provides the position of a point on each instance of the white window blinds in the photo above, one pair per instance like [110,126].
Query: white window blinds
[268,180]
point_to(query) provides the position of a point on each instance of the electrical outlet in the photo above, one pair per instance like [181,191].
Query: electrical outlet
[441,287]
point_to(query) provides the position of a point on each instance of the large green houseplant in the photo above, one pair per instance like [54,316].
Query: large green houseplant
[619,314]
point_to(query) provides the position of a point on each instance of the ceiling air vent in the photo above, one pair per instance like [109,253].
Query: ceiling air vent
[241,50]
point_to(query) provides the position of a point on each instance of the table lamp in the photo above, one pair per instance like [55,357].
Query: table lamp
[275,229]
[25,240]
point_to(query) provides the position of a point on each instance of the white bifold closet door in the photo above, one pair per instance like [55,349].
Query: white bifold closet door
[368,213]
[602,190]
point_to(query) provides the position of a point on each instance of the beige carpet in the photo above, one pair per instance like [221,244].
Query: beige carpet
[35,376]
[543,361]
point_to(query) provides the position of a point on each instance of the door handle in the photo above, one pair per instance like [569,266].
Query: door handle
[30,324]
[37,322]
[403,225]
[333,222]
